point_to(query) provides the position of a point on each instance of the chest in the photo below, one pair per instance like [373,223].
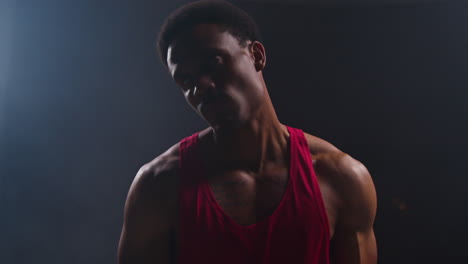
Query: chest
[248,198]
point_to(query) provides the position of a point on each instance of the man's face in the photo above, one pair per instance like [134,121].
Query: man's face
[216,74]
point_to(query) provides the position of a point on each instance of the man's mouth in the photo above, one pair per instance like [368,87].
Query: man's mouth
[210,101]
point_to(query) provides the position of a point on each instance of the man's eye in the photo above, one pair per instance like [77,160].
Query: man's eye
[215,60]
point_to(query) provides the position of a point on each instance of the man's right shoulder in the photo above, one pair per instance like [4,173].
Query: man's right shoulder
[160,177]
[164,165]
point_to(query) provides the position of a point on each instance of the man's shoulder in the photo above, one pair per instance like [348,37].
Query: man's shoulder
[346,175]
[325,155]
[318,146]
[164,165]
[158,179]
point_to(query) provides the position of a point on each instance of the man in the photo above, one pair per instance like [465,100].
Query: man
[247,189]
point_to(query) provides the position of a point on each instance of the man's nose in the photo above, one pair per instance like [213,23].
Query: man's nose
[203,85]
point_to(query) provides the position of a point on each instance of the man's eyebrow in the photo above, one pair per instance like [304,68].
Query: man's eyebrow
[214,49]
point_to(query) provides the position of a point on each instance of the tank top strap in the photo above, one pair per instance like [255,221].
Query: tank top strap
[188,158]
[298,139]
[302,168]
[299,150]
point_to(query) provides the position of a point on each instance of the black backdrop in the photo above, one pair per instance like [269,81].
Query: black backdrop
[85,102]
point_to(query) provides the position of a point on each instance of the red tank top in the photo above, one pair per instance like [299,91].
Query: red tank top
[297,232]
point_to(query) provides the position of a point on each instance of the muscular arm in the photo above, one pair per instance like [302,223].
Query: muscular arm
[149,215]
[354,241]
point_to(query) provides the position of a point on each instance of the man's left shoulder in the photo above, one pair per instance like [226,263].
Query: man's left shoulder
[348,177]
[333,162]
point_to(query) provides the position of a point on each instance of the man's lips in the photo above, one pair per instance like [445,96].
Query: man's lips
[204,104]
[212,101]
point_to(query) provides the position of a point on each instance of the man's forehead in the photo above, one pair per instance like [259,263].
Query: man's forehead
[198,39]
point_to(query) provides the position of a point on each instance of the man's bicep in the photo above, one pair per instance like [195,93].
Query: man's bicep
[354,240]
[146,230]
[141,251]
[354,247]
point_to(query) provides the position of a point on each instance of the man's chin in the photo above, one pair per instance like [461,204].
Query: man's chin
[225,123]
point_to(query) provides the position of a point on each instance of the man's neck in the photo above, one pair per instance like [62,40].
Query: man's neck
[251,145]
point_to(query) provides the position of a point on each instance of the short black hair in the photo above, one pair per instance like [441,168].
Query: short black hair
[231,19]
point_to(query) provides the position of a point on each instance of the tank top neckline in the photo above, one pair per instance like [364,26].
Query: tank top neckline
[208,192]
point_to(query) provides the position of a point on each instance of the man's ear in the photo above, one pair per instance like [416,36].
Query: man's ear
[258,54]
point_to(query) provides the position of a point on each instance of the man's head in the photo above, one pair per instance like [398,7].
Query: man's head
[212,51]
[229,17]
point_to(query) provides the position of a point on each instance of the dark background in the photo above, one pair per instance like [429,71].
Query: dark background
[84,102]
